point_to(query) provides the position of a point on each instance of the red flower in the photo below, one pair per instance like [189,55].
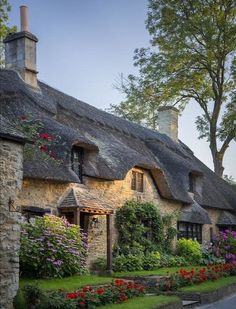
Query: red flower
[82,295]
[82,303]
[122,297]
[43,148]
[52,155]
[100,291]
[45,136]
[71,295]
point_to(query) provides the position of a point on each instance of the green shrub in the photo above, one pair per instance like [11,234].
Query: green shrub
[40,299]
[51,247]
[100,264]
[127,263]
[139,227]
[190,250]
[173,261]
[152,261]
[208,256]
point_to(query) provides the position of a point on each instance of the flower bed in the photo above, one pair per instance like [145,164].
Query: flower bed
[185,277]
[119,291]
[224,245]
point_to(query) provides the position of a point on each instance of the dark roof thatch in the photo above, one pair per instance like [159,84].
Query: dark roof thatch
[194,213]
[7,131]
[226,218]
[112,145]
[86,200]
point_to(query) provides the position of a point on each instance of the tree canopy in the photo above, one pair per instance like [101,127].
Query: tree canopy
[4,28]
[192,58]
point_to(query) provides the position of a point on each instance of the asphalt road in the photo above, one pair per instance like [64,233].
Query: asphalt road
[226,303]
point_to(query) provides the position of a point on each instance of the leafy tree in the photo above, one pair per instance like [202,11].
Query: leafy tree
[192,58]
[231,181]
[4,29]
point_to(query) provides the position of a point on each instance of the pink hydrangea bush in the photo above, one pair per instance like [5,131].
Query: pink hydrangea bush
[51,247]
[224,245]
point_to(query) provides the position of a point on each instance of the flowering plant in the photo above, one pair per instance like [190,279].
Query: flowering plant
[42,142]
[51,247]
[185,277]
[117,292]
[224,245]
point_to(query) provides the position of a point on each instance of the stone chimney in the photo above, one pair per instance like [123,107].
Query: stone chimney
[168,121]
[20,51]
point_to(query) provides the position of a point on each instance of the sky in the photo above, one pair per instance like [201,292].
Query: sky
[84,46]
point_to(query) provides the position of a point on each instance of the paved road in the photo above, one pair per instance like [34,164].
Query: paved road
[226,303]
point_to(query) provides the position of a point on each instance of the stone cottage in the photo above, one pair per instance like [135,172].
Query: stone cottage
[105,160]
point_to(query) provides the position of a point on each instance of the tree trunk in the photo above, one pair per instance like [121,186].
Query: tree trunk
[218,163]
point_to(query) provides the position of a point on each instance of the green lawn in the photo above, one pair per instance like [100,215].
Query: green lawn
[68,283]
[210,285]
[74,282]
[146,302]
[160,271]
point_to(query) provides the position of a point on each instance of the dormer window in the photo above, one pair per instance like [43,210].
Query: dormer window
[76,161]
[195,183]
[192,183]
[137,181]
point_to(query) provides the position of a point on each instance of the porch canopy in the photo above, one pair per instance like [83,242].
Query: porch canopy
[194,213]
[226,218]
[81,200]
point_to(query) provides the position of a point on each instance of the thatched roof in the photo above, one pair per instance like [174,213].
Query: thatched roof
[112,145]
[85,200]
[7,131]
[194,213]
[226,218]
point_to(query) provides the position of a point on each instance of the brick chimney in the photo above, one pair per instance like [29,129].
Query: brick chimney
[168,121]
[20,51]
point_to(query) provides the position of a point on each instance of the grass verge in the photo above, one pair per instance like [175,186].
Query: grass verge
[209,286]
[68,283]
[145,302]
[160,271]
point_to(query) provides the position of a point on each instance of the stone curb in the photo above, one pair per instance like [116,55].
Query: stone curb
[171,306]
[206,298]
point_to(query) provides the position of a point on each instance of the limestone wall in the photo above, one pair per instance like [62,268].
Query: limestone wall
[11,155]
[116,193]
[41,193]
[46,194]
[209,229]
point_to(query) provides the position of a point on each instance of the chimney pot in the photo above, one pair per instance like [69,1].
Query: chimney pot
[24,18]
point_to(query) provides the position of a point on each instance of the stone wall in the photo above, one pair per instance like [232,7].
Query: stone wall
[46,194]
[209,229]
[116,193]
[11,157]
[41,193]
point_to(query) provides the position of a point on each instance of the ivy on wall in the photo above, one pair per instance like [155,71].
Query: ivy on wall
[142,229]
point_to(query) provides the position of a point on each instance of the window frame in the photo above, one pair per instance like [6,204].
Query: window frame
[192,231]
[137,181]
[80,153]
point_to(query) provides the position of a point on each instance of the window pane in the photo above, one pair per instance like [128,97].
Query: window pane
[76,161]
[140,182]
[133,181]
[189,231]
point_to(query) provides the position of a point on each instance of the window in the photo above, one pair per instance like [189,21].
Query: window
[190,231]
[76,161]
[195,183]
[192,183]
[137,181]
